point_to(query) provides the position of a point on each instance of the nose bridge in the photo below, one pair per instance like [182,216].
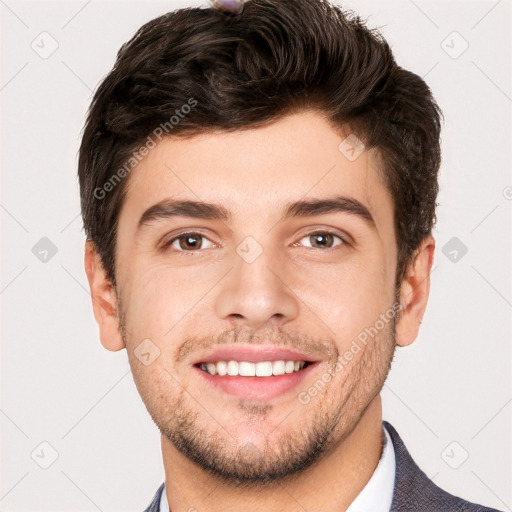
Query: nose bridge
[256,291]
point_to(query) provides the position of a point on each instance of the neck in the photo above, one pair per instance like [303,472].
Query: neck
[331,484]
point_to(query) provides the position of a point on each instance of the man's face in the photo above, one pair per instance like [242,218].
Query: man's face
[257,279]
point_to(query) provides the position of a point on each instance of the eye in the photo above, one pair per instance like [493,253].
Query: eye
[188,242]
[323,240]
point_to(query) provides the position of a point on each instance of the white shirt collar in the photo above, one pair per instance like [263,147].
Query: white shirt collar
[376,495]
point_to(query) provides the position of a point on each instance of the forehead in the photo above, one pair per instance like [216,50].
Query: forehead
[254,172]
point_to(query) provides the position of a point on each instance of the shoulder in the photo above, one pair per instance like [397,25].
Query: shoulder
[415,492]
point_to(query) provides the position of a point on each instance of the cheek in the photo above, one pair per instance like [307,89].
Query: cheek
[159,391]
[160,301]
[349,297]
[155,300]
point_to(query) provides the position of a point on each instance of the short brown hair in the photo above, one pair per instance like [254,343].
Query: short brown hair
[195,69]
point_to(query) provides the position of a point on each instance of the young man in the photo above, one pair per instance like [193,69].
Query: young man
[258,189]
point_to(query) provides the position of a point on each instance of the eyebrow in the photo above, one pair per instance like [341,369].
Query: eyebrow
[169,208]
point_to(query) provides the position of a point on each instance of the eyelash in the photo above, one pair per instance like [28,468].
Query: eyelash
[168,244]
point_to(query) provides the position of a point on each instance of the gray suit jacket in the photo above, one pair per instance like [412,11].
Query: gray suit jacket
[413,491]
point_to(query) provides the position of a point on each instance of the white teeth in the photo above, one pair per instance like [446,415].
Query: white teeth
[278,367]
[221,367]
[247,369]
[288,367]
[264,369]
[232,368]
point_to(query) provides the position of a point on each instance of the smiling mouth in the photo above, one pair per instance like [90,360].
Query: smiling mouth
[262,369]
[261,380]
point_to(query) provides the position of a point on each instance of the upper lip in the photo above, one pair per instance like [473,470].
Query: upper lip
[254,354]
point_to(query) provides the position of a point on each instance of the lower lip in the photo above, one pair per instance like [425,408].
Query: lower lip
[259,388]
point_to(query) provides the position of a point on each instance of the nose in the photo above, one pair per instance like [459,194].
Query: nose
[256,293]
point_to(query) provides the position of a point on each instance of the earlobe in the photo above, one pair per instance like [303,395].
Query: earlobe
[414,292]
[104,299]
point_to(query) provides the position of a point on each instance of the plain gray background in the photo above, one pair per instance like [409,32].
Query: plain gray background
[448,394]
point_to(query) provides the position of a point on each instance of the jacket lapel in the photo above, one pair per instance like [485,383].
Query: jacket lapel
[415,492]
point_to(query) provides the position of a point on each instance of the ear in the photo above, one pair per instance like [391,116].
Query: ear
[414,292]
[104,299]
